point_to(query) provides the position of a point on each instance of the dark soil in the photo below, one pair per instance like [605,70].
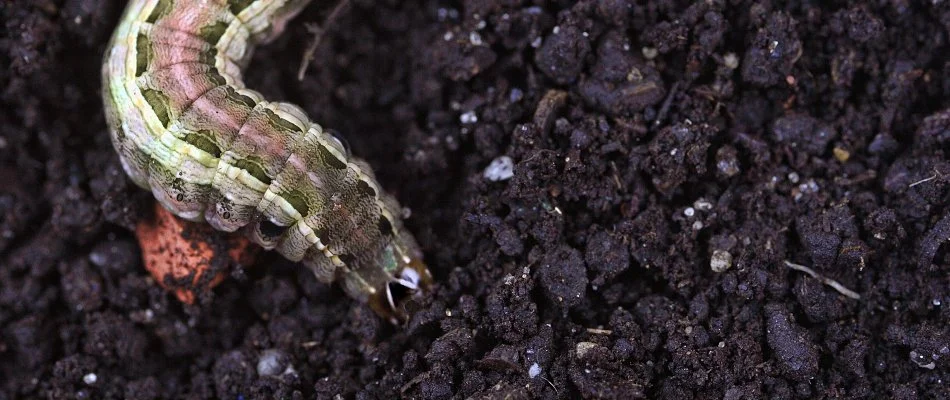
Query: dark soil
[651,140]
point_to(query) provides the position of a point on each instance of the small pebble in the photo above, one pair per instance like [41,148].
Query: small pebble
[731,60]
[534,371]
[721,260]
[649,52]
[583,347]
[841,154]
[468,118]
[793,177]
[475,39]
[500,169]
[702,205]
[727,162]
[272,362]
[90,378]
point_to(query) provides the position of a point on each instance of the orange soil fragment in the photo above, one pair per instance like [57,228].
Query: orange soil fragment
[178,253]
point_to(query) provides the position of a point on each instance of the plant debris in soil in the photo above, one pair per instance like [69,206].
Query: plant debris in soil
[609,194]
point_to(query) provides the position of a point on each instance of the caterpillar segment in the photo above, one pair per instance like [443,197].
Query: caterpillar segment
[208,148]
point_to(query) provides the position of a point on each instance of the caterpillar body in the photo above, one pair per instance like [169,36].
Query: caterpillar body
[208,148]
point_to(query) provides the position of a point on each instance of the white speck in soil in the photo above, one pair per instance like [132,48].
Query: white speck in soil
[921,360]
[702,205]
[468,118]
[475,38]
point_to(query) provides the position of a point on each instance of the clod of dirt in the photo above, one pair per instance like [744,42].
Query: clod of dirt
[860,25]
[232,374]
[109,336]
[68,374]
[82,286]
[509,307]
[928,345]
[818,302]
[563,53]
[599,374]
[935,129]
[823,233]
[773,52]
[804,132]
[933,240]
[145,389]
[563,276]
[678,153]
[29,340]
[450,346]
[607,255]
[273,296]
[620,82]
[797,355]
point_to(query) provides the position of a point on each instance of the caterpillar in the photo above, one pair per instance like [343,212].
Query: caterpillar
[208,148]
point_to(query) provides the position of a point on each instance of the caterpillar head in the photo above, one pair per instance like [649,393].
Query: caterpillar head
[408,281]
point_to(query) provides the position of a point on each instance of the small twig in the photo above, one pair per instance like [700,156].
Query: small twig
[317,33]
[827,281]
[597,331]
[617,182]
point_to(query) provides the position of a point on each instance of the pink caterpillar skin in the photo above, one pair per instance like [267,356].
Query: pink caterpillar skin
[208,148]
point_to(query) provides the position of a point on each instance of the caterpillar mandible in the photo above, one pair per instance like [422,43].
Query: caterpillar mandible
[187,128]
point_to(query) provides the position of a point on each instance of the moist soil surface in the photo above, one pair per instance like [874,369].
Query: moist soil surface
[718,199]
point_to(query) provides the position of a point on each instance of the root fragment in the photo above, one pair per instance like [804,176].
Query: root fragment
[317,31]
[827,281]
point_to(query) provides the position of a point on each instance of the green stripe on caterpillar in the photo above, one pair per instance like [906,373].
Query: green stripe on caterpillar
[208,148]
